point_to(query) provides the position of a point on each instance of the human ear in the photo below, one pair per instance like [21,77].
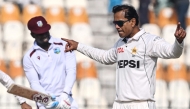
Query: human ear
[133,22]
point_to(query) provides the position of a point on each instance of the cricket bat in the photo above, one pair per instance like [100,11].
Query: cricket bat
[29,94]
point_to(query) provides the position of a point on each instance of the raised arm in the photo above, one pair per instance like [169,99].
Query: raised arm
[163,49]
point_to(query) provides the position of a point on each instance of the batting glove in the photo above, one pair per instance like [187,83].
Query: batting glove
[54,104]
[65,101]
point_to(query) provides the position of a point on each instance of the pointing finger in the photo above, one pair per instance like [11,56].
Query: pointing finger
[65,39]
[178,26]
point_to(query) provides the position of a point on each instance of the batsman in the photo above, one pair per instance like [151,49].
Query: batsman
[48,68]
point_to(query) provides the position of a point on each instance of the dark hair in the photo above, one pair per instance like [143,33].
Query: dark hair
[130,12]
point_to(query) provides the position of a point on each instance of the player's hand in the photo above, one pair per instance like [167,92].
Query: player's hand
[71,45]
[25,106]
[54,104]
[180,33]
[65,101]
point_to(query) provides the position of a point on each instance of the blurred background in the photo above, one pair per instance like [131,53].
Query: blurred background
[90,22]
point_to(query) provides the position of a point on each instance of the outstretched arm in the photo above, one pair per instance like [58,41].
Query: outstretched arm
[102,56]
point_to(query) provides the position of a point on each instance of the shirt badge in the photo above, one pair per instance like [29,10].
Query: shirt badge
[134,51]
[57,50]
[39,23]
[38,57]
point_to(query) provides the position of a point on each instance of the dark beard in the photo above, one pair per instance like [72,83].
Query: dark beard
[45,46]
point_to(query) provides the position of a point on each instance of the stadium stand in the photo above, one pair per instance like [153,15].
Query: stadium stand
[13,50]
[15,69]
[49,3]
[187,47]
[55,14]
[3,66]
[82,32]
[87,85]
[167,32]
[99,103]
[77,96]
[12,102]
[178,86]
[76,3]
[167,16]
[30,11]
[86,69]
[188,17]
[3,97]
[102,25]
[9,12]
[13,31]
[57,30]
[152,16]
[161,95]
[27,37]
[1,3]
[152,28]
[0,33]
[77,15]
[97,7]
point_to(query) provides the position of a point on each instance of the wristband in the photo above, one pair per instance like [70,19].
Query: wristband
[22,102]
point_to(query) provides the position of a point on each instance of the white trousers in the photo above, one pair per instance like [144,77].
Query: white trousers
[134,105]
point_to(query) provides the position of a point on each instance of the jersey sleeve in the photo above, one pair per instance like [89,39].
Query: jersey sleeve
[162,49]
[7,82]
[70,71]
[102,56]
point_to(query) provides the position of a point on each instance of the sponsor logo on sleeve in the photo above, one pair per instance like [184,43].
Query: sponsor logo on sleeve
[157,38]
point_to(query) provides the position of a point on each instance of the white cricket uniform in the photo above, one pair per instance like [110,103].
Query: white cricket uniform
[136,65]
[52,72]
[7,82]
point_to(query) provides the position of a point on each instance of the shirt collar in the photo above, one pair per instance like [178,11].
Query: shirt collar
[38,47]
[138,34]
[125,40]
